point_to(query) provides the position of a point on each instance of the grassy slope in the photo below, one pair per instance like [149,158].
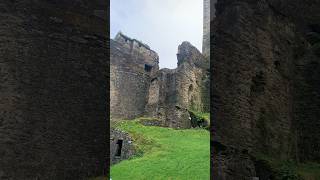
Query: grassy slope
[167,154]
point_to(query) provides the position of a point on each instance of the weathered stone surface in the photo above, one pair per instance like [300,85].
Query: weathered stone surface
[131,68]
[53,89]
[121,146]
[265,82]
[231,163]
[174,91]
[208,16]
[139,88]
[206,28]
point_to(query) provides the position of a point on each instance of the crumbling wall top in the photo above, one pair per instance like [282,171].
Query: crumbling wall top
[140,51]
[120,37]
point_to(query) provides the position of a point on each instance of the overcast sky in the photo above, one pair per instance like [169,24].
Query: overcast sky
[161,24]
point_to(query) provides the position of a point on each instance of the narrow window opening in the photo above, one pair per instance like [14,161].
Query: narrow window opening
[119,147]
[147,67]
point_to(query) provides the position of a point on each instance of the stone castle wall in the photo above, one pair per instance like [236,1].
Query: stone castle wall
[135,92]
[264,85]
[131,68]
[165,94]
[208,16]
[121,146]
[140,52]
[53,77]
[175,91]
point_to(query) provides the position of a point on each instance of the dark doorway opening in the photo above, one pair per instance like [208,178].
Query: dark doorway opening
[147,67]
[119,147]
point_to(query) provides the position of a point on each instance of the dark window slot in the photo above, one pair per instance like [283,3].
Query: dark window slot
[119,147]
[147,67]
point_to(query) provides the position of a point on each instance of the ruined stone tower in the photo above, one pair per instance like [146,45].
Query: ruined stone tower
[132,64]
[208,17]
[174,92]
[139,88]
[53,81]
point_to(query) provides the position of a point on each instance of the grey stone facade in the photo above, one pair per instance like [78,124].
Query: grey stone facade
[132,64]
[53,89]
[165,94]
[138,88]
[265,85]
[208,16]
[206,28]
[175,91]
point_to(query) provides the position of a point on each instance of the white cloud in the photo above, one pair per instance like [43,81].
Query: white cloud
[162,24]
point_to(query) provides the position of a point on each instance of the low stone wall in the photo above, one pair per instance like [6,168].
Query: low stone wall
[121,146]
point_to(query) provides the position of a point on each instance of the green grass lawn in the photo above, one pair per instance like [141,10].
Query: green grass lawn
[165,153]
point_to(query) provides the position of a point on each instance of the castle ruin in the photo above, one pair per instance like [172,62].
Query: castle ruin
[138,88]
[132,64]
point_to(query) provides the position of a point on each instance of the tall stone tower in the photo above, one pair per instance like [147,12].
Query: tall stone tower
[206,28]
[208,16]
[132,64]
